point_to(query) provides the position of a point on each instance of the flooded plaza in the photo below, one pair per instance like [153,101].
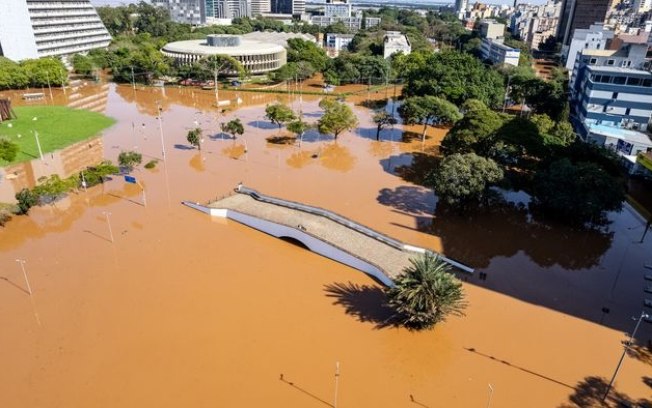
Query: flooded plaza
[184,310]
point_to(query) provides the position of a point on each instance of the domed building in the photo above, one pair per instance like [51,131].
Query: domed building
[257,57]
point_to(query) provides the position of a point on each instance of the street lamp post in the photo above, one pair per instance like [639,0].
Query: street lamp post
[22,266]
[108,222]
[160,127]
[622,357]
[491,394]
[38,144]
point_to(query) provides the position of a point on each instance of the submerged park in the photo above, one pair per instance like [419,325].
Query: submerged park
[172,307]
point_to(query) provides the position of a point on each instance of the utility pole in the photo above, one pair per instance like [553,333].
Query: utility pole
[22,266]
[38,144]
[108,222]
[133,80]
[509,78]
[47,77]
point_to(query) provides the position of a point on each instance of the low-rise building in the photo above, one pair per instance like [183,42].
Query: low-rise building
[394,42]
[336,43]
[596,37]
[499,53]
[492,30]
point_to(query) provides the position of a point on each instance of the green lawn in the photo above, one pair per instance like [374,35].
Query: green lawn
[57,127]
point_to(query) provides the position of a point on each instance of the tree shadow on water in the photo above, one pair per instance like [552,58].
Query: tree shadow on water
[590,391]
[366,303]
[641,351]
[412,200]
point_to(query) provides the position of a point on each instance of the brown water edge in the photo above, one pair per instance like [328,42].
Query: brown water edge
[185,311]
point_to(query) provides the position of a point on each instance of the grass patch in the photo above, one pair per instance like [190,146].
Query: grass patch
[57,127]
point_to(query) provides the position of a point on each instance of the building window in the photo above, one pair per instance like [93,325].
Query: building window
[634,81]
[620,80]
[647,83]
[604,108]
[614,95]
[592,61]
[610,62]
[627,111]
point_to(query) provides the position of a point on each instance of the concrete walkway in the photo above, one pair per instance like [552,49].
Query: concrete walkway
[388,255]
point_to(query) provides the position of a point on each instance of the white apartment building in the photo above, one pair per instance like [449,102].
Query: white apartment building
[394,42]
[44,28]
[642,6]
[596,37]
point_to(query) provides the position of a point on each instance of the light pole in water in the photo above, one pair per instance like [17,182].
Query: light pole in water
[622,357]
[108,222]
[491,394]
[337,382]
[22,266]
[160,126]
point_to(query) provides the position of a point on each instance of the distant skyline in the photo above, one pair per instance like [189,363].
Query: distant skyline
[397,3]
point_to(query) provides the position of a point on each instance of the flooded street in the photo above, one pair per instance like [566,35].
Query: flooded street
[184,310]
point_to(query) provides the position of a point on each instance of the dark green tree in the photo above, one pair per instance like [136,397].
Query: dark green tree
[82,64]
[234,127]
[455,76]
[26,200]
[426,293]
[424,110]
[129,159]
[577,193]
[194,137]
[8,150]
[464,178]
[303,50]
[475,132]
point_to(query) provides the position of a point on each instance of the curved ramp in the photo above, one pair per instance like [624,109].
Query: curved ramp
[324,232]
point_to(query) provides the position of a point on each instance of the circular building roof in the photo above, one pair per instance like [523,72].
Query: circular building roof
[240,47]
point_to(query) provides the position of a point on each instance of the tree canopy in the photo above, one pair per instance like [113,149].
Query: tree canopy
[426,293]
[279,114]
[453,75]
[464,178]
[428,109]
[337,117]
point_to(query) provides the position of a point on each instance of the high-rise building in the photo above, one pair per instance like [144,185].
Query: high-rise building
[460,8]
[192,12]
[580,14]
[43,28]
[281,6]
[260,6]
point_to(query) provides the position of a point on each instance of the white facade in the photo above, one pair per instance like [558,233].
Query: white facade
[594,38]
[337,42]
[642,6]
[394,42]
[338,10]
[492,30]
[260,6]
[499,53]
[460,8]
[43,28]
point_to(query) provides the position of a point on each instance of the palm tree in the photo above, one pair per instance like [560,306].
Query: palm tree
[426,293]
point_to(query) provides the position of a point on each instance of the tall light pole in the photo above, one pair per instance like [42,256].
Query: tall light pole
[491,394]
[622,357]
[38,144]
[160,126]
[22,266]
[509,79]
[108,222]
[337,382]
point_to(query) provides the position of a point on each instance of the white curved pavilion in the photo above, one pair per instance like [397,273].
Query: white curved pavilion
[256,57]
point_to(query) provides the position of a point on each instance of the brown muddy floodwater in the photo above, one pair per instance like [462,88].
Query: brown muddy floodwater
[184,311]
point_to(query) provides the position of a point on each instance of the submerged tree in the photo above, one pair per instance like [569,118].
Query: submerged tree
[234,127]
[426,293]
[279,114]
[424,110]
[337,118]
[298,127]
[194,137]
[382,119]
[129,159]
[8,150]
